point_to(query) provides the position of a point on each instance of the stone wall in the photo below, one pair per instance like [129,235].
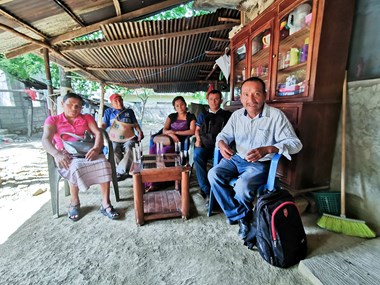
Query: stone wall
[362,153]
[15,118]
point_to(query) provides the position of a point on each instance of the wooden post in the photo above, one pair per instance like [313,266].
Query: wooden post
[52,110]
[101,106]
[185,195]
[30,117]
[138,199]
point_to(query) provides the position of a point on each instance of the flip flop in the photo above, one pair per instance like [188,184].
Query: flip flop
[112,214]
[73,211]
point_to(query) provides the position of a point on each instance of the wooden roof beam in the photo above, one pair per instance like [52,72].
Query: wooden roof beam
[219,39]
[70,13]
[139,85]
[122,18]
[95,27]
[23,24]
[116,3]
[46,45]
[148,38]
[145,67]
[230,20]
[212,71]
[214,53]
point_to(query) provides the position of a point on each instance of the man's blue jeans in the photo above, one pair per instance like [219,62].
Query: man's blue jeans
[237,202]
[201,156]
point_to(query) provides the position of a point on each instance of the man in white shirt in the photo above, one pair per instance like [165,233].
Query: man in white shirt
[258,131]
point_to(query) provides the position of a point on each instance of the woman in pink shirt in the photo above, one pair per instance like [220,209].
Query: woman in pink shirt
[80,172]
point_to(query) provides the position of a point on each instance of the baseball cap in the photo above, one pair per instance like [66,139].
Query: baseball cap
[114,96]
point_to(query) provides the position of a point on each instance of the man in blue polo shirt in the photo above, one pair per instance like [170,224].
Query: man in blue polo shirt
[122,148]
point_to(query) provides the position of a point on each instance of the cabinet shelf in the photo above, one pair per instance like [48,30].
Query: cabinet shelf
[295,40]
[261,55]
[292,68]
[312,108]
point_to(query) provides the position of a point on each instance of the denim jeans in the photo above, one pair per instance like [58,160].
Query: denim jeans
[124,155]
[237,202]
[201,156]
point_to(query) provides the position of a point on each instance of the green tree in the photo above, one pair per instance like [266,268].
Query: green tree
[27,67]
[184,10]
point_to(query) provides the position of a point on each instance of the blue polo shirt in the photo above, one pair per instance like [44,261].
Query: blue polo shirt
[127,116]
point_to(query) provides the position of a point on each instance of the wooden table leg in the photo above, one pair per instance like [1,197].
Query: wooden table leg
[185,195]
[138,199]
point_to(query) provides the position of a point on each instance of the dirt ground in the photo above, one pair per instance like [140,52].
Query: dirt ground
[24,181]
[38,248]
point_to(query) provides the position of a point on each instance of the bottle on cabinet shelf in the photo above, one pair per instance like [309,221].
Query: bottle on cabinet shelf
[293,56]
[287,59]
[305,50]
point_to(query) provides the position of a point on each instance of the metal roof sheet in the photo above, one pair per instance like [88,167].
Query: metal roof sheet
[166,55]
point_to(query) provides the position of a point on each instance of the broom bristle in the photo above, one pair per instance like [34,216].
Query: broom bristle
[346,226]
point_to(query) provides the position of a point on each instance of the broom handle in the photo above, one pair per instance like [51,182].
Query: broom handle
[343,164]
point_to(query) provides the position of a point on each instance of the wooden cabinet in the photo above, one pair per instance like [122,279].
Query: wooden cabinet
[300,50]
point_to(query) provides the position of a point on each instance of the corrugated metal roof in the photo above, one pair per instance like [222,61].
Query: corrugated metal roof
[167,55]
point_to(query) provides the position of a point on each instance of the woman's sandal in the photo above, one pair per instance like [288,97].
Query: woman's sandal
[112,214]
[73,212]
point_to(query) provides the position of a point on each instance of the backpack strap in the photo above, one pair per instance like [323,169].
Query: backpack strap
[272,171]
[269,186]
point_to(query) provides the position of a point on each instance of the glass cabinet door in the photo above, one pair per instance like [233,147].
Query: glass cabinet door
[293,52]
[261,56]
[239,70]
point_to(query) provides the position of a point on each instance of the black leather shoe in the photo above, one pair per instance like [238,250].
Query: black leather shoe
[244,228]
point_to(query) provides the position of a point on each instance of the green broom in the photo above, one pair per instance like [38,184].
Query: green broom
[342,224]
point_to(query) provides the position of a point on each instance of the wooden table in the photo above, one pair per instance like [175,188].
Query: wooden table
[165,203]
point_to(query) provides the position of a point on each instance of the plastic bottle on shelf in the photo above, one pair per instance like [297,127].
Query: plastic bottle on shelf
[287,59]
[305,50]
[281,60]
[293,56]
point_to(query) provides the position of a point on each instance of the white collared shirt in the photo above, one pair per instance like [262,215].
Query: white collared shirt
[269,128]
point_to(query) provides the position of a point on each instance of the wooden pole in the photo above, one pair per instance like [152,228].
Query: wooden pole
[53,111]
[30,117]
[101,106]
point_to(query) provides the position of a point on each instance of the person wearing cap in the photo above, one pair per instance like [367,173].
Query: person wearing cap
[123,150]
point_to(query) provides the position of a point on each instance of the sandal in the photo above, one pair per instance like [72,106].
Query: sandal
[73,212]
[112,214]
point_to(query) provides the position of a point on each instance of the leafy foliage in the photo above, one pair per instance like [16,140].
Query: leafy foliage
[97,35]
[29,66]
[185,10]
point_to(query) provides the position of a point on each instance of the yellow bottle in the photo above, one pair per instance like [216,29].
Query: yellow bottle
[293,56]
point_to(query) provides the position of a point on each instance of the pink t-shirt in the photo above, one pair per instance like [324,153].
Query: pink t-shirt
[79,126]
